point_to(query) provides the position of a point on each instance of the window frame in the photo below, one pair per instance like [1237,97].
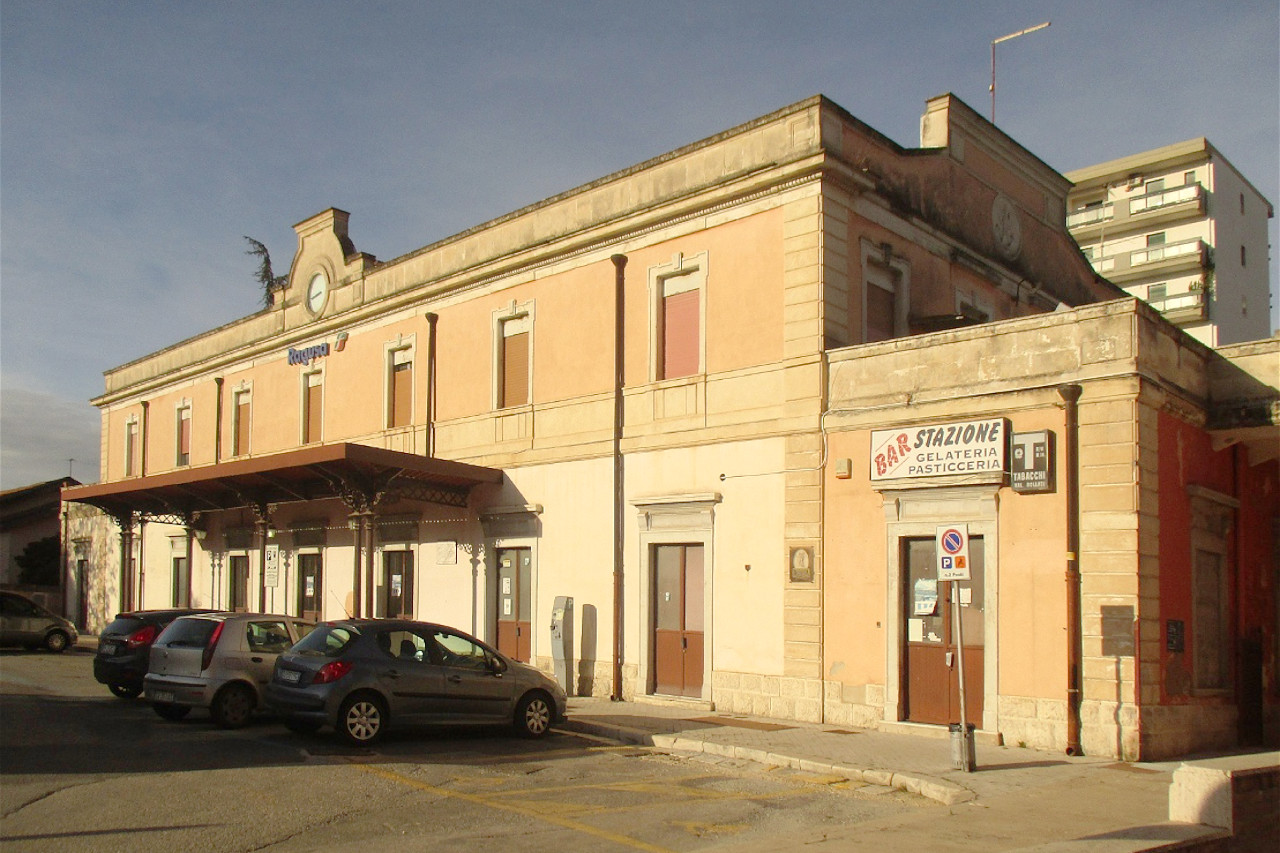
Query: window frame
[513,319]
[132,432]
[402,351]
[239,428]
[305,426]
[182,434]
[880,263]
[684,273]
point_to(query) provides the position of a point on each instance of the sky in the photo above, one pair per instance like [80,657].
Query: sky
[140,142]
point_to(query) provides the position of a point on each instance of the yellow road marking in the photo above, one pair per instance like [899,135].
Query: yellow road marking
[566,823]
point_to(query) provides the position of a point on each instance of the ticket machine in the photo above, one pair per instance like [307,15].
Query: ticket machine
[562,641]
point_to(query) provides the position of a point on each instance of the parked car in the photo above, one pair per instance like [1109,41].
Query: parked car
[124,648]
[219,661]
[25,623]
[361,675]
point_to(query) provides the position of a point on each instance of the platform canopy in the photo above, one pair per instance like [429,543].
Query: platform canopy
[362,477]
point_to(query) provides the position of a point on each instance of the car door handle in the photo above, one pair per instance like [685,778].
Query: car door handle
[454,679]
[393,673]
[256,660]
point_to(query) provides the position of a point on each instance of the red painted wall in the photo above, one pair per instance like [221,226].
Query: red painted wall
[1187,458]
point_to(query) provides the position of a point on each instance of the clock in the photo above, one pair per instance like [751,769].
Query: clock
[317,293]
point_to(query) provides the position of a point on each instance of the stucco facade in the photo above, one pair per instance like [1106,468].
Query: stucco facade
[452,434]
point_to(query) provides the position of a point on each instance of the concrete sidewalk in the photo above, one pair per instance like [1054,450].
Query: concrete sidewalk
[1016,799]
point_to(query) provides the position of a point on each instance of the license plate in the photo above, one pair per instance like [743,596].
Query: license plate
[290,676]
[161,696]
[108,649]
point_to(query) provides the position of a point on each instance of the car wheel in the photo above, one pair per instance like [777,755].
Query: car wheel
[301,727]
[533,715]
[57,642]
[233,707]
[169,711]
[361,719]
[126,691]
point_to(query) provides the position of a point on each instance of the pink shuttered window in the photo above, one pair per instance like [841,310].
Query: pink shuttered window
[184,437]
[311,414]
[681,335]
[240,436]
[401,404]
[515,369]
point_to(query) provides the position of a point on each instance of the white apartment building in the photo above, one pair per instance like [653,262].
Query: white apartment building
[1180,227]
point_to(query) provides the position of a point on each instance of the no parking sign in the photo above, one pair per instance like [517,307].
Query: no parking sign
[953,552]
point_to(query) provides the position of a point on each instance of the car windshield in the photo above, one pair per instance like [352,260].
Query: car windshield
[188,632]
[326,640]
[123,625]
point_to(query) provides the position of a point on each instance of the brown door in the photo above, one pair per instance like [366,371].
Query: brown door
[397,584]
[514,606]
[310,597]
[678,628]
[239,583]
[932,679]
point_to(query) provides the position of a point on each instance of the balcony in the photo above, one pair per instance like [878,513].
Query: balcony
[1172,258]
[1090,216]
[1176,203]
[1182,308]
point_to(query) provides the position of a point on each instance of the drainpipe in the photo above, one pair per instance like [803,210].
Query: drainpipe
[217,423]
[146,436]
[619,315]
[432,319]
[1071,461]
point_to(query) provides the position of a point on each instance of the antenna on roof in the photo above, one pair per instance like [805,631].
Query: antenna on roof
[995,42]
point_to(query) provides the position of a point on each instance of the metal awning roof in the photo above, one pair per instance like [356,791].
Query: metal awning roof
[359,475]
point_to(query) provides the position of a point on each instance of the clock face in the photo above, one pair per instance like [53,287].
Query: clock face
[317,293]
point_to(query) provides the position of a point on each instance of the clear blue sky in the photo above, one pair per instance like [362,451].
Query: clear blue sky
[139,141]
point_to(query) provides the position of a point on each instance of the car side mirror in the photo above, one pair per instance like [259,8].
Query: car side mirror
[497,665]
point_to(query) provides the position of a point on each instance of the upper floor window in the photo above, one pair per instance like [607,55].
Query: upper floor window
[1189,178]
[131,448]
[312,406]
[399,386]
[677,295]
[183,434]
[242,401]
[884,293]
[1156,239]
[513,355]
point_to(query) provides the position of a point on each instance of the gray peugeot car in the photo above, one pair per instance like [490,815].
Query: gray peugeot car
[361,675]
[219,661]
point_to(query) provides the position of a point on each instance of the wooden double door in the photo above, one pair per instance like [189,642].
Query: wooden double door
[931,679]
[678,639]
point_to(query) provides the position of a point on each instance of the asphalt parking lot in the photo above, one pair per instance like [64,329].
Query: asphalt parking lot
[83,770]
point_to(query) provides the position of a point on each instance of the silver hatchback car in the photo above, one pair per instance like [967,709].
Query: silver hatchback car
[360,675]
[219,661]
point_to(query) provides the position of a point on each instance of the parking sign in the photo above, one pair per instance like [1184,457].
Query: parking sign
[953,552]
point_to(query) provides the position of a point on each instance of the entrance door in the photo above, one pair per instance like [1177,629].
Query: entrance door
[678,628]
[239,583]
[514,608]
[310,597]
[932,678]
[397,584]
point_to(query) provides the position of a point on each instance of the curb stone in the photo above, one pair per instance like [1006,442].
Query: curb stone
[946,793]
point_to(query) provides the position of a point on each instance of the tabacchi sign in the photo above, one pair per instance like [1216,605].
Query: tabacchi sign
[939,450]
